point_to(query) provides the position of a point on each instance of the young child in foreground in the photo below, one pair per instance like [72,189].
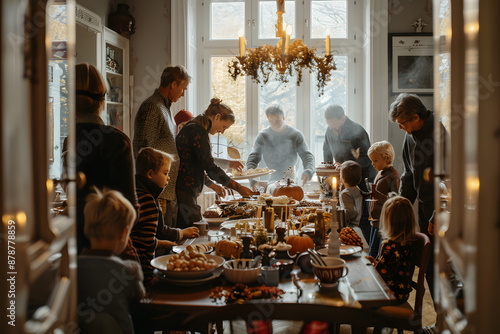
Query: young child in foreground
[152,167]
[350,197]
[387,180]
[106,283]
[395,262]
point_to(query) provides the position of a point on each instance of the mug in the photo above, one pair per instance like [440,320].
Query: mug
[269,276]
[334,270]
[202,227]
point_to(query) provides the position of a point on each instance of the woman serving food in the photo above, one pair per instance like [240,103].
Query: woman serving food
[197,166]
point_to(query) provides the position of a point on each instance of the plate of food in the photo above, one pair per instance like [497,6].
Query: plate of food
[251,173]
[240,224]
[215,220]
[201,248]
[195,265]
[344,250]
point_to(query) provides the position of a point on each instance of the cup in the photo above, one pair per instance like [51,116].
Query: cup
[269,276]
[202,227]
[334,270]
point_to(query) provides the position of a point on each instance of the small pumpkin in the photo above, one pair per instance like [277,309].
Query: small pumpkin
[289,189]
[300,243]
[229,249]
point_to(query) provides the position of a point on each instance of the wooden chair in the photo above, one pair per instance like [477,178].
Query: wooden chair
[359,319]
[404,317]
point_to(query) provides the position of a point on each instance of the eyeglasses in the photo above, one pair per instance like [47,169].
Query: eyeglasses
[403,123]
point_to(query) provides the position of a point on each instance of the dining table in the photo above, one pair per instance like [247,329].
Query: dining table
[167,305]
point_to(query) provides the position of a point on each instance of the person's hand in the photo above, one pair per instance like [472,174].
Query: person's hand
[337,165]
[235,164]
[191,232]
[430,229]
[218,190]
[246,192]
[166,244]
[305,178]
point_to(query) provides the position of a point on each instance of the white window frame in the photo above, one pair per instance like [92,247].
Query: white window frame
[353,47]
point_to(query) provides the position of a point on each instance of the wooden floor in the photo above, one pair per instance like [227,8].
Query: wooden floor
[293,327]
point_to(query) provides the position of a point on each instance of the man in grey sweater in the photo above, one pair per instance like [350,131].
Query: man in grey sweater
[280,145]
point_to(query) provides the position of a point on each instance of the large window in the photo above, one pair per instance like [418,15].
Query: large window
[222,21]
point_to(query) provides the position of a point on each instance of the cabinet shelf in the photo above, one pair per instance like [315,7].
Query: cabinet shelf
[114,73]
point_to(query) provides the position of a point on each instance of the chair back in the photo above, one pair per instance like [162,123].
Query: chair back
[424,249]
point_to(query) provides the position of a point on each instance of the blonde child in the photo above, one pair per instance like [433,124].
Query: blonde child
[351,197]
[387,180]
[109,217]
[150,233]
[395,262]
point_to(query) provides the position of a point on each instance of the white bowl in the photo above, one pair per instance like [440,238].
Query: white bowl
[160,263]
[240,271]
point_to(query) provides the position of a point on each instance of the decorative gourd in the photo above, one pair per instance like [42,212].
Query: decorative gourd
[300,243]
[289,189]
[228,248]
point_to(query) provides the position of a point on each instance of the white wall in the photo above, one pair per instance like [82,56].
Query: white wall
[402,13]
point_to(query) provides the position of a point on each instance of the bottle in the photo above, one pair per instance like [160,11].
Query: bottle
[319,233]
[334,239]
[247,252]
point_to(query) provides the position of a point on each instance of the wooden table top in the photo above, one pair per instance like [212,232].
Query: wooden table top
[361,288]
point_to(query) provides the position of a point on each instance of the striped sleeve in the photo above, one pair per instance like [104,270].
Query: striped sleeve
[143,233]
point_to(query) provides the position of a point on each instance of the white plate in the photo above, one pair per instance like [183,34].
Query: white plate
[230,224]
[180,248]
[160,263]
[215,220]
[344,250]
[244,177]
[192,282]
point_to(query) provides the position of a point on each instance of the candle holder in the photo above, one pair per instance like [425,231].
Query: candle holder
[326,172]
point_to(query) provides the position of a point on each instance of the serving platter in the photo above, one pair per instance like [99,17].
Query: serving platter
[191,282]
[215,220]
[160,263]
[178,249]
[232,223]
[251,176]
[345,250]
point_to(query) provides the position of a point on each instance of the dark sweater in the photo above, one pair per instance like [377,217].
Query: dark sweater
[340,148]
[195,155]
[418,155]
[386,181]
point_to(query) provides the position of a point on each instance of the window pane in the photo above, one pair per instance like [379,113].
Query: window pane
[329,15]
[227,18]
[233,94]
[268,18]
[335,93]
[275,92]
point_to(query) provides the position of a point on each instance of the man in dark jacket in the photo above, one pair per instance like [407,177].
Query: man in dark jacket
[347,140]
[412,116]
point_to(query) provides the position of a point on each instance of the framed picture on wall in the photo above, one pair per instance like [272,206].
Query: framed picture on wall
[412,63]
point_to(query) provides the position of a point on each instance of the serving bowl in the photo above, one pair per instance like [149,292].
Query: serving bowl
[241,271]
[335,269]
[161,262]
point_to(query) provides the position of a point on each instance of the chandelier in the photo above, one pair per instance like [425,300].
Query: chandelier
[283,59]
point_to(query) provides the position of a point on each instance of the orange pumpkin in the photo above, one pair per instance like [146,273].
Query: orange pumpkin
[289,189]
[228,248]
[300,243]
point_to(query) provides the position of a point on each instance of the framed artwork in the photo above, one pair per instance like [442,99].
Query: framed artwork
[412,63]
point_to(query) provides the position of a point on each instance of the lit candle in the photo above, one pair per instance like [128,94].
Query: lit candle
[334,186]
[328,42]
[288,33]
[241,34]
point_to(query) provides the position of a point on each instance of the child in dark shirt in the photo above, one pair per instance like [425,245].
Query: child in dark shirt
[351,197]
[152,168]
[395,262]
[387,180]
[106,283]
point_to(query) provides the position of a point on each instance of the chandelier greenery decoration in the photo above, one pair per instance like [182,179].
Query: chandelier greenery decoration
[283,59]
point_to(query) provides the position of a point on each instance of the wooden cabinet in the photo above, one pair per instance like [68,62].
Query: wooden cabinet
[116,73]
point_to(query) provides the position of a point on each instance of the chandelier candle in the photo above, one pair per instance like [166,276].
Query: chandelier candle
[288,33]
[328,42]
[242,42]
